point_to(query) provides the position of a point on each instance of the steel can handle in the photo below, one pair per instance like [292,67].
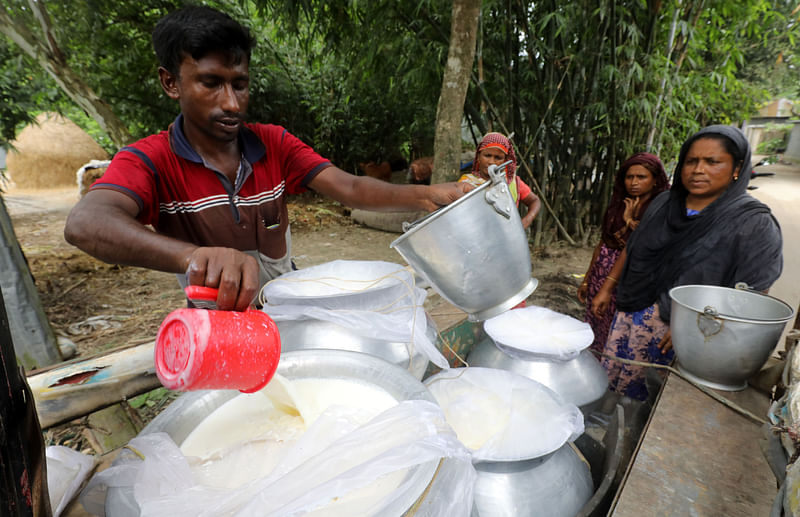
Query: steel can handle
[202,297]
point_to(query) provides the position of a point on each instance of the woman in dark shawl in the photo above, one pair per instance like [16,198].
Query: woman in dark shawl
[706,230]
[639,179]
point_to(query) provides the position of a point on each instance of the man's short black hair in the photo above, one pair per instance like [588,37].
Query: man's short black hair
[197,31]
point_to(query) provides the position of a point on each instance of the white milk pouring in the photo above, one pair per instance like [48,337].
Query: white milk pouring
[247,437]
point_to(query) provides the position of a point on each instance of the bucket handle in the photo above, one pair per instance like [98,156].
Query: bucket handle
[497,173]
[708,322]
[495,196]
[409,225]
[202,297]
[498,194]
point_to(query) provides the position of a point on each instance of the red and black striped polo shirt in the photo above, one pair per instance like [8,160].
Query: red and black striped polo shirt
[182,197]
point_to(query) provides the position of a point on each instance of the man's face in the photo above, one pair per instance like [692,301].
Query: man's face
[213,93]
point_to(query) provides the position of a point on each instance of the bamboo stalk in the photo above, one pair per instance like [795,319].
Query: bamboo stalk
[71,390]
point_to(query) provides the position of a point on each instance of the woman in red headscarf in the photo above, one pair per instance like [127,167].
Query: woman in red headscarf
[639,179]
[495,149]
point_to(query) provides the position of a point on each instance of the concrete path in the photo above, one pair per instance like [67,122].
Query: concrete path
[782,193]
[20,202]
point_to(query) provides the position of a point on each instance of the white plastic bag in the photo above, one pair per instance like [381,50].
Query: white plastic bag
[167,472]
[502,416]
[341,284]
[67,469]
[329,463]
[397,316]
[539,331]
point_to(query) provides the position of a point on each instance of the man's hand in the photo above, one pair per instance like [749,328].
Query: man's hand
[233,272]
[442,194]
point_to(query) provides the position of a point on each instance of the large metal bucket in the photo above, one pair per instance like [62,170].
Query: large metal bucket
[473,252]
[723,336]
[181,417]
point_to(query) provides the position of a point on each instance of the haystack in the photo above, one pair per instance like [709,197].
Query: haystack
[46,154]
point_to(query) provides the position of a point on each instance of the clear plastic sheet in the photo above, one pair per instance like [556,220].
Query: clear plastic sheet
[502,416]
[341,284]
[539,331]
[330,462]
[67,469]
[395,315]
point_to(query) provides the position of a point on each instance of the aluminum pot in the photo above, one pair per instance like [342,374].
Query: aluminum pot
[581,381]
[183,415]
[555,485]
[723,336]
[474,251]
[320,334]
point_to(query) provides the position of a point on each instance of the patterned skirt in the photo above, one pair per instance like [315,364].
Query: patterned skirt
[597,275]
[634,335]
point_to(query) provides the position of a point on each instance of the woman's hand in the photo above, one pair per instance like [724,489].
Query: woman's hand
[601,301]
[665,345]
[631,209]
[583,291]
[534,204]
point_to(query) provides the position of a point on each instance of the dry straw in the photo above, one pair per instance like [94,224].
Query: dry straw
[48,153]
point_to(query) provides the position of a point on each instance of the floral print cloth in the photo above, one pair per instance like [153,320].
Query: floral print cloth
[634,335]
[594,281]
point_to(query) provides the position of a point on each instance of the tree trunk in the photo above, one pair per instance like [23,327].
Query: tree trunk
[47,53]
[460,55]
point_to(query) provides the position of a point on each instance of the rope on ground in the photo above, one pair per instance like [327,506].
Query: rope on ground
[716,396]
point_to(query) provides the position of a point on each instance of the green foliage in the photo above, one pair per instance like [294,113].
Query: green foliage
[22,90]
[370,73]
[110,47]
[360,80]
[777,137]
[772,145]
[152,402]
[579,102]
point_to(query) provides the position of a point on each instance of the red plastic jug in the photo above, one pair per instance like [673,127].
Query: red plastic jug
[199,349]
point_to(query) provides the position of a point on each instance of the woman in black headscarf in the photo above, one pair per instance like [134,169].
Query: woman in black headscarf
[706,230]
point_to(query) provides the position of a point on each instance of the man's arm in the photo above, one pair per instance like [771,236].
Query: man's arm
[371,194]
[104,225]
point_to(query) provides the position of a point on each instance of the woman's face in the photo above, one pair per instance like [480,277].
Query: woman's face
[707,170]
[639,181]
[489,156]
